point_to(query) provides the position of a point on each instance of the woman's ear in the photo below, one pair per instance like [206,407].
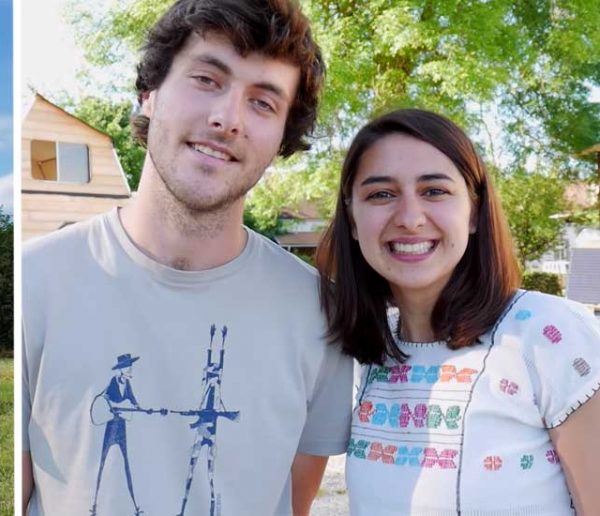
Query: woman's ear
[474,217]
[348,203]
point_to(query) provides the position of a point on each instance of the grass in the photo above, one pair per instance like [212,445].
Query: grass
[6,437]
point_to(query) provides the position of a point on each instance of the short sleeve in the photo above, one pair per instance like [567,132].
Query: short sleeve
[26,398]
[562,353]
[327,427]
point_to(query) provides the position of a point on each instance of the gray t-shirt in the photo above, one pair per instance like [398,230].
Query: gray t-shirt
[149,388]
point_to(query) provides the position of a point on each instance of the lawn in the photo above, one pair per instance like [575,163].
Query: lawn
[6,437]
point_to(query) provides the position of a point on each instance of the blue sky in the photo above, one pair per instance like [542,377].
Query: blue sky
[6,104]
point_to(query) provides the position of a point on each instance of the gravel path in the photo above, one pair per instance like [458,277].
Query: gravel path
[332,499]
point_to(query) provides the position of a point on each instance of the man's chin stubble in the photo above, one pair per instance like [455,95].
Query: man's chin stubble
[176,197]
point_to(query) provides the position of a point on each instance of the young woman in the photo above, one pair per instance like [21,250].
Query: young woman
[476,398]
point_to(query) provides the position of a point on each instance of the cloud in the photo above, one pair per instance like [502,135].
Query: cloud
[6,131]
[6,193]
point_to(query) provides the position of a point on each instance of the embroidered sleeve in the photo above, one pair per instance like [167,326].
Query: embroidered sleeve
[562,353]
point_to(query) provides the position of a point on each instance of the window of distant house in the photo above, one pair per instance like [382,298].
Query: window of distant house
[62,162]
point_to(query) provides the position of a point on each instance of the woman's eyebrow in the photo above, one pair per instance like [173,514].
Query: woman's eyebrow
[429,176]
[434,176]
[376,179]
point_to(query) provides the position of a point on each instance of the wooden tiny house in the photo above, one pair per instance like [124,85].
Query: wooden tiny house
[70,170]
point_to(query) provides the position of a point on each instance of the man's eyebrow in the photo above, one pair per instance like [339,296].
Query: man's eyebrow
[431,176]
[218,63]
[273,88]
[213,61]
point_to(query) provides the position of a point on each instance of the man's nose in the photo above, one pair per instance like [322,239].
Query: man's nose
[227,113]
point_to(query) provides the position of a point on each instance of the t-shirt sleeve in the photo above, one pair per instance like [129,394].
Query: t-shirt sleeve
[327,427]
[26,398]
[562,355]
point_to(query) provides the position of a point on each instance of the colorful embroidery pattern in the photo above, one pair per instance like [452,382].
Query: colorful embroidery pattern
[581,366]
[492,463]
[523,315]
[552,334]
[400,415]
[526,461]
[508,387]
[428,457]
[418,374]
[552,457]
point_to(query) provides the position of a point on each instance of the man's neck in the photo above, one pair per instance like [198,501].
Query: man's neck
[182,239]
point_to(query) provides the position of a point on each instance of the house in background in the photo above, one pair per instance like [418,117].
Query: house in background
[303,229]
[580,196]
[583,283]
[70,170]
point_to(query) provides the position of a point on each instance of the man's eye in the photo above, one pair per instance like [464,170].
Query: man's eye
[262,105]
[205,80]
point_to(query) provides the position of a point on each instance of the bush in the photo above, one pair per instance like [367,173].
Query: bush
[6,284]
[542,282]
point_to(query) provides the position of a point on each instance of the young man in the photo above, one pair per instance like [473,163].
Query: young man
[227,326]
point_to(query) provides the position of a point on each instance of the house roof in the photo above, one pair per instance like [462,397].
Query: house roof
[584,276]
[306,210]
[37,97]
[584,271]
[300,239]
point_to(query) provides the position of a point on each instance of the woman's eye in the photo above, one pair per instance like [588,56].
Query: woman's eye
[435,192]
[379,196]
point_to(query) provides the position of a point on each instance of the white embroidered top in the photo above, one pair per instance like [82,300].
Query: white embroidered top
[466,432]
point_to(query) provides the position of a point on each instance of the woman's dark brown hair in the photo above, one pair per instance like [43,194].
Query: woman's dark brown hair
[274,28]
[481,285]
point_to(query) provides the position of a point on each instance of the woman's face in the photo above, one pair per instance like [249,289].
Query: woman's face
[411,214]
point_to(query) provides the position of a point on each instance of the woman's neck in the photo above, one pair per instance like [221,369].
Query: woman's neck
[415,315]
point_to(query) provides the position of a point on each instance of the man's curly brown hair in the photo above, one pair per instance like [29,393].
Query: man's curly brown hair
[274,28]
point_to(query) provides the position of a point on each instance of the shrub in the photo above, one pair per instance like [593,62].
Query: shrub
[542,282]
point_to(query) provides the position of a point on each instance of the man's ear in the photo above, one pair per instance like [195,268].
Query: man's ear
[148,103]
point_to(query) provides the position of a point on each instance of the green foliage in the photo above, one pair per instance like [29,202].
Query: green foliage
[528,66]
[263,206]
[6,437]
[6,283]
[113,119]
[542,282]
[307,256]
[531,202]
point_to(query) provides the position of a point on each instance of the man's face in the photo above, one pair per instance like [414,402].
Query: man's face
[217,121]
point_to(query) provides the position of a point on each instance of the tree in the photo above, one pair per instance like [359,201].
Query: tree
[528,66]
[113,119]
[6,282]
[532,202]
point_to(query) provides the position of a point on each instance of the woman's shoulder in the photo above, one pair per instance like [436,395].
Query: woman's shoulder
[530,304]
[559,340]
[536,318]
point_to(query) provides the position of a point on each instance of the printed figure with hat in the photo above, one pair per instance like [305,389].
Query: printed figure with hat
[117,398]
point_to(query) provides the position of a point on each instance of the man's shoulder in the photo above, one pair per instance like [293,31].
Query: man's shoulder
[59,247]
[278,261]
